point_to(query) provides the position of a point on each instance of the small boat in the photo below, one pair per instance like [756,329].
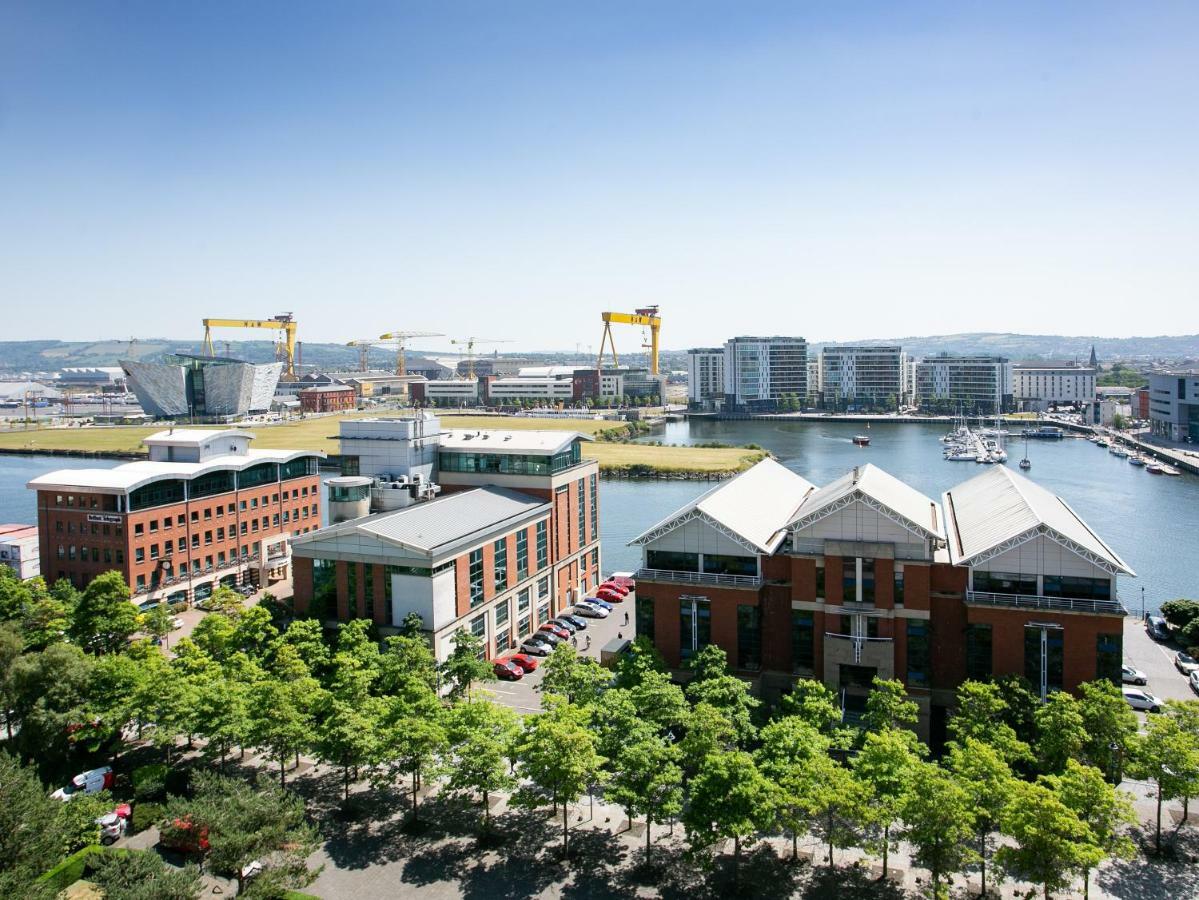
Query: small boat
[1169,470]
[1136,460]
[1103,442]
[862,440]
[1117,450]
[1026,463]
[1154,469]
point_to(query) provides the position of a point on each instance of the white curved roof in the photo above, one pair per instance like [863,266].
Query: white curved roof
[1000,506]
[917,511]
[493,440]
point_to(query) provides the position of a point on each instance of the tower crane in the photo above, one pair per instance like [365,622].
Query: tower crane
[470,343]
[399,339]
[285,346]
[647,317]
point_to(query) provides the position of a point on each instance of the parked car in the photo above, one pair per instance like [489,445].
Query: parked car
[1133,676]
[93,781]
[526,662]
[534,646]
[624,578]
[596,601]
[1193,678]
[1185,663]
[508,670]
[614,587]
[610,595]
[579,623]
[590,611]
[561,622]
[113,825]
[1138,699]
[247,590]
[176,623]
[555,631]
[1157,628]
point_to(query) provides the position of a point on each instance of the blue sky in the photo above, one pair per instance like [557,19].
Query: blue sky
[838,170]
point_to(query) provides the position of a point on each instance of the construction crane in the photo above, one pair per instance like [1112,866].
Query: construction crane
[647,318]
[399,339]
[470,343]
[285,346]
[364,351]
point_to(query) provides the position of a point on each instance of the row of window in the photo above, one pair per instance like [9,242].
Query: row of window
[180,520]
[84,554]
[93,528]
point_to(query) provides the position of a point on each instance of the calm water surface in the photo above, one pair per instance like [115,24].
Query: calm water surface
[1152,521]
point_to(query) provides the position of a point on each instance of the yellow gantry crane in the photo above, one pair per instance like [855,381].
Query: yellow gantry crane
[399,338]
[285,346]
[470,343]
[647,318]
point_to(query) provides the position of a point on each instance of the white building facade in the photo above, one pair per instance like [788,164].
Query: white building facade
[977,385]
[705,377]
[1038,386]
[862,377]
[760,371]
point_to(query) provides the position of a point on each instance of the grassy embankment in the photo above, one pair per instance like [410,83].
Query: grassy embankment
[315,434]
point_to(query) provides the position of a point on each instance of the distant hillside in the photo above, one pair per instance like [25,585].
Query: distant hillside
[1051,346]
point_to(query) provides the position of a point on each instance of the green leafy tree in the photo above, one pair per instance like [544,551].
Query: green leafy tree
[709,731]
[1063,732]
[815,703]
[647,781]
[12,645]
[347,736]
[641,658]
[14,595]
[1108,723]
[1104,810]
[226,602]
[278,723]
[729,798]
[659,702]
[104,618]
[142,875]
[613,719]
[886,765]
[414,737]
[938,823]
[254,632]
[1049,843]
[156,622]
[307,637]
[1020,705]
[788,748]
[47,620]
[49,692]
[214,636]
[412,625]
[557,753]
[986,778]
[31,834]
[983,715]
[581,680]
[250,822]
[221,715]
[406,661]
[465,665]
[837,803]
[481,735]
[714,685]
[1180,613]
[1169,757]
[888,706]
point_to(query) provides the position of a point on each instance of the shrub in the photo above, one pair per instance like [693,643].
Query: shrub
[1180,613]
[145,815]
[70,870]
[150,782]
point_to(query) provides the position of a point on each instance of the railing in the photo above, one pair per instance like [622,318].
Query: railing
[859,641]
[1061,604]
[698,577]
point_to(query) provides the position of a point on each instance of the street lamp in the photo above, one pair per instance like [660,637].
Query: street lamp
[1142,603]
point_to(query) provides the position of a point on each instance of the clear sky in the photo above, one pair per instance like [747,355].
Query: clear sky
[510,169]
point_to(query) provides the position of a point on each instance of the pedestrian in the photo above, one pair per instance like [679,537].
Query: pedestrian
[626,617]
[574,641]
[587,646]
[619,636]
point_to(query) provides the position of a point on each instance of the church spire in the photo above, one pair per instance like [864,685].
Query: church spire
[1094,358]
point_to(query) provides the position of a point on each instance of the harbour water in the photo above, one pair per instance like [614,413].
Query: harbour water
[1151,521]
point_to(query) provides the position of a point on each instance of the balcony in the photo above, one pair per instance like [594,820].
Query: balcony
[679,577]
[859,642]
[1049,604]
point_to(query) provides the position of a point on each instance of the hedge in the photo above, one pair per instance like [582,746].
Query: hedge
[70,870]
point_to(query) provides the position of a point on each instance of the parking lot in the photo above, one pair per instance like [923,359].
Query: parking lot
[1156,660]
[524,696]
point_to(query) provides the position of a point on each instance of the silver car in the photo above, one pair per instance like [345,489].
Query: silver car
[1139,699]
[1131,675]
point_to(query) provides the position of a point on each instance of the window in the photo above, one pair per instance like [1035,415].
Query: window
[476,577]
[819,581]
[153,526]
[522,554]
[62,551]
[803,640]
[352,586]
[543,587]
[1043,658]
[207,538]
[594,507]
[368,588]
[582,492]
[1005,583]
[138,529]
[543,549]
[478,627]
[898,588]
[867,581]
[524,622]
[1109,656]
[860,626]
[978,652]
[716,564]
[918,653]
[749,637]
[672,560]
[1077,588]
[139,554]
[502,612]
[645,617]
[153,551]
[543,611]
[324,583]
[501,563]
[695,625]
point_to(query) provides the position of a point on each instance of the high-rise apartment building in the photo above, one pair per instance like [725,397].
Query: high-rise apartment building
[1039,385]
[862,377]
[761,371]
[977,385]
[705,377]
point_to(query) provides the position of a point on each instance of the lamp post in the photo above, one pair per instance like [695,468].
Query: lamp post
[1142,603]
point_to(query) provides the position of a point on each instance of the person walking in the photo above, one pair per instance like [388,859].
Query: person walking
[626,617]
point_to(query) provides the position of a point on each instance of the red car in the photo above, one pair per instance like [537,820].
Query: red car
[610,595]
[556,630]
[614,586]
[624,581]
[526,662]
[508,670]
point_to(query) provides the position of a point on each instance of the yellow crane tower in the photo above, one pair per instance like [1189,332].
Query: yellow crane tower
[470,343]
[285,346]
[399,339]
[647,318]
[364,349]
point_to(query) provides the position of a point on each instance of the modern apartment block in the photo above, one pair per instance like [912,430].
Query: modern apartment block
[1174,404]
[204,509]
[18,550]
[977,385]
[705,377]
[760,371]
[868,577]
[512,540]
[862,377]
[1037,386]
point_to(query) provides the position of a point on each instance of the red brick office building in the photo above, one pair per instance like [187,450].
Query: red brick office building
[326,398]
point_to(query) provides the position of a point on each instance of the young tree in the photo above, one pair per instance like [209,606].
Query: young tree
[729,798]
[716,686]
[12,645]
[557,753]
[709,731]
[214,636]
[307,637]
[938,823]
[278,723]
[481,735]
[659,702]
[465,665]
[414,737]
[254,632]
[888,706]
[226,602]
[221,715]
[1108,722]
[143,875]
[982,716]
[1169,757]
[47,620]
[157,622]
[581,680]
[347,736]
[647,781]
[641,658]
[1062,732]
[837,804]
[815,703]
[1104,810]
[789,746]
[1049,842]
[104,617]
[986,778]
[406,661]
[886,765]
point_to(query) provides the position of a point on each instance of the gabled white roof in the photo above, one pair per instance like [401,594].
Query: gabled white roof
[755,507]
[870,483]
[993,510]
[491,440]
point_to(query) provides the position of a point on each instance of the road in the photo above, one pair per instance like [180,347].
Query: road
[1156,661]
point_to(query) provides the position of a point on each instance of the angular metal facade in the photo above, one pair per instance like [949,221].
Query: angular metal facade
[216,388]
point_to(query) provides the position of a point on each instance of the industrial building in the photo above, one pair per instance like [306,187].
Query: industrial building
[855,378]
[1037,386]
[92,376]
[977,385]
[1174,404]
[19,550]
[868,577]
[489,530]
[761,371]
[202,388]
[205,508]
